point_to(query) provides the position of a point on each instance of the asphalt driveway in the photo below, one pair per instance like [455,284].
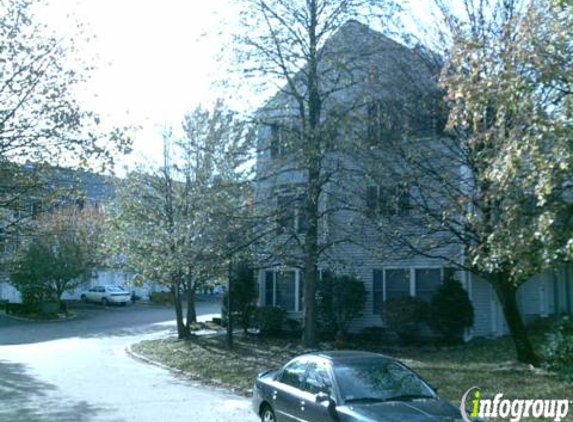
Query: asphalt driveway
[78,371]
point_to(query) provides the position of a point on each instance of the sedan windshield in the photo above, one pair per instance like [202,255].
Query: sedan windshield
[377,380]
[115,289]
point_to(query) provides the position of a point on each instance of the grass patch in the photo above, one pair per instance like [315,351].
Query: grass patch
[45,317]
[488,364]
[207,359]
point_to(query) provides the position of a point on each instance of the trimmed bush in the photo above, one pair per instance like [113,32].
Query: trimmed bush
[49,308]
[162,298]
[557,351]
[340,301]
[405,316]
[270,320]
[451,311]
[294,325]
[21,309]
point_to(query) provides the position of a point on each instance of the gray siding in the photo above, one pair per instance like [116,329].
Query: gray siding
[356,243]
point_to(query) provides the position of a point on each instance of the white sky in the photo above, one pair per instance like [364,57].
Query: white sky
[153,60]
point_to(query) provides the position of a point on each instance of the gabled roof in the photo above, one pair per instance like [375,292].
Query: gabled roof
[357,49]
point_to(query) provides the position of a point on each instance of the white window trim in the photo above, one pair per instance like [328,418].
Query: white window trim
[296,290]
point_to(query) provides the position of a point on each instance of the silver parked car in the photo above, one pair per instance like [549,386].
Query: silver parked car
[106,294]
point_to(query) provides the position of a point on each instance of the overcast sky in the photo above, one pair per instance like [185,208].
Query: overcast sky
[153,59]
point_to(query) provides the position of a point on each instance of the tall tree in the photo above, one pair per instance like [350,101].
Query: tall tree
[60,256]
[41,119]
[171,222]
[498,185]
[287,44]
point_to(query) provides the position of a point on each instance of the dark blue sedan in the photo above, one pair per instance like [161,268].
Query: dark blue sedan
[348,387]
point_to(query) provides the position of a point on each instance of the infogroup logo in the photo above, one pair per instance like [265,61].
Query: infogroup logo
[514,409]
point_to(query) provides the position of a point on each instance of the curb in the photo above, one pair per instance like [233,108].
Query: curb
[205,382]
[145,359]
[19,318]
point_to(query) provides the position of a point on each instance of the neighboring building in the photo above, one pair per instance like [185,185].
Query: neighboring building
[72,188]
[383,73]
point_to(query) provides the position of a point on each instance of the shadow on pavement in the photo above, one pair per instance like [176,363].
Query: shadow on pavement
[27,399]
[95,321]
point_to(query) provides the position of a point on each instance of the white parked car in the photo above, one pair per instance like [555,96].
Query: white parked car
[106,294]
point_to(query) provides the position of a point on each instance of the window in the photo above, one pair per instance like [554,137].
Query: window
[379,124]
[285,214]
[280,140]
[275,141]
[383,121]
[372,194]
[397,283]
[280,288]
[293,374]
[378,379]
[269,288]
[285,290]
[377,291]
[291,214]
[388,201]
[427,282]
[318,379]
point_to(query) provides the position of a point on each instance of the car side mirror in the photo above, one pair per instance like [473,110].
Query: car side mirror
[325,398]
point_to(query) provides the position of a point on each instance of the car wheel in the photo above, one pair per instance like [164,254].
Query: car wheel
[267,414]
[104,302]
[84,298]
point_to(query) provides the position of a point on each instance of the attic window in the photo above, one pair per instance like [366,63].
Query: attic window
[384,121]
[278,141]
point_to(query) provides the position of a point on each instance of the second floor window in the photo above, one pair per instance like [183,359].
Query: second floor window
[388,201]
[290,214]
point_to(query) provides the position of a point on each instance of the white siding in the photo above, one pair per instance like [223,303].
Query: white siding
[8,292]
[481,292]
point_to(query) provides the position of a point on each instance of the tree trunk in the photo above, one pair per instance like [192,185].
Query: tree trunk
[309,337]
[182,332]
[313,158]
[191,310]
[507,295]
[230,299]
